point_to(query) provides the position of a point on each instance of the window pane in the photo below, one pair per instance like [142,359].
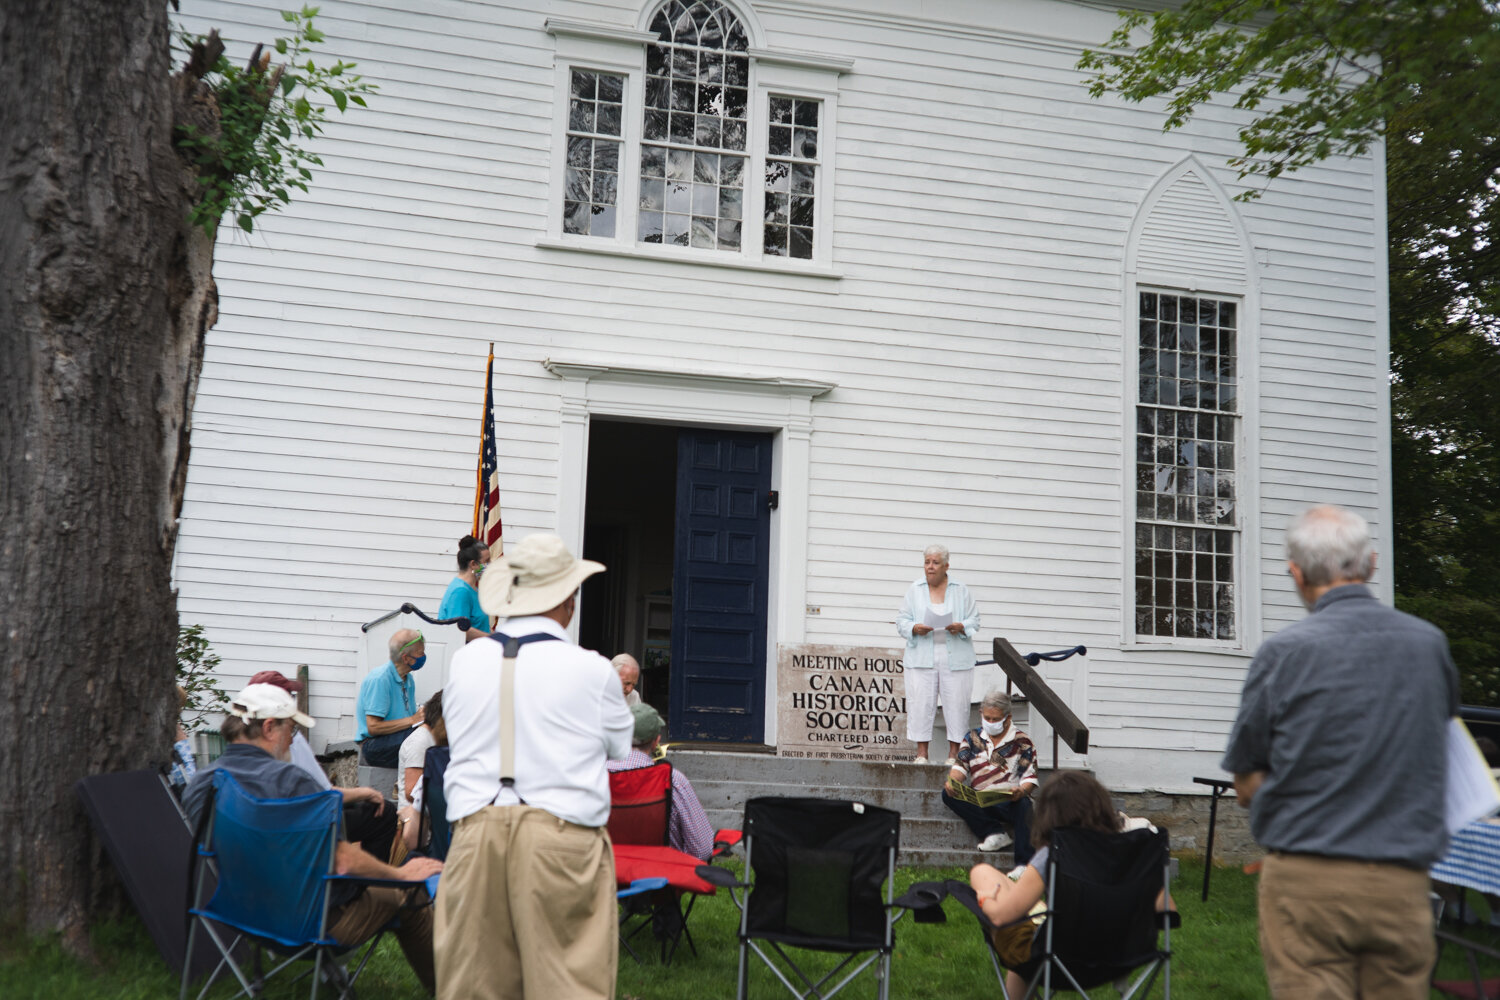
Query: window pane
[730,204]
[574,219]
[608,119]
[802,243]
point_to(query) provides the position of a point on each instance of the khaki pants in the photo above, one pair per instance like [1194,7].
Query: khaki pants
[359,919]
[1333,928]
[526,908]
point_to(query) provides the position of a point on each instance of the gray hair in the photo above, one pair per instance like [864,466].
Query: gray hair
[399,638]
[996,699]
[941,551]
[1329,544]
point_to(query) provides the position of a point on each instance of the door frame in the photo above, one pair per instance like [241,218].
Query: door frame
[776,403]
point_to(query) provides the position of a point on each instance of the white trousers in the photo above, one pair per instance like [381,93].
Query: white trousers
[922,687]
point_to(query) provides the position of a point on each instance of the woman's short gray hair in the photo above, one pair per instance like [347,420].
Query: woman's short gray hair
[1330,543]
[996,699]
[941,551]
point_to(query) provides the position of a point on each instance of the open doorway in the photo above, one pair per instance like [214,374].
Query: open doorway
[629,522]
[680,516]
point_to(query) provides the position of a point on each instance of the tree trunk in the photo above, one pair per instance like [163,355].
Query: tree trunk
[105,295]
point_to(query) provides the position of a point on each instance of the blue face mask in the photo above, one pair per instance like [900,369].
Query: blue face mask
[419,662]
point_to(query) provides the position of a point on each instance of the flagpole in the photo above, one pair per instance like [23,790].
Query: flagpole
[489,372]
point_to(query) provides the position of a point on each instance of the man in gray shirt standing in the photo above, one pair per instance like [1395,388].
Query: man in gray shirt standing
[1338,751]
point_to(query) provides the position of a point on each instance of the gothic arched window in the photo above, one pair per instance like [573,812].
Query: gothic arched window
[695,127]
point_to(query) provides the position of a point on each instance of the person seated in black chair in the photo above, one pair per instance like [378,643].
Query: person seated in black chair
[257,729]
[1068,799]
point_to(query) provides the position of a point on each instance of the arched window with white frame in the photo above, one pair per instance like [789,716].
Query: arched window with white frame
[695,130]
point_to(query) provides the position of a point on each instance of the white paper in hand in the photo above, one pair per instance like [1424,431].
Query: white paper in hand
[1472,792]
[937,622]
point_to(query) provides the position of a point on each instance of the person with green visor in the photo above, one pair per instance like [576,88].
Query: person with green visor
[387,709]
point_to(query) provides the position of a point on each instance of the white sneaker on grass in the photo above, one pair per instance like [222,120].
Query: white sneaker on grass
[995,842]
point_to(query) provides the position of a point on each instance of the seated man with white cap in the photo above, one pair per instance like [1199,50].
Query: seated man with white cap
[369,817]
[258,727]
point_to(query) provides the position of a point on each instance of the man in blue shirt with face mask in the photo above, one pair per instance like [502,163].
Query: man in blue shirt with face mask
[387,709]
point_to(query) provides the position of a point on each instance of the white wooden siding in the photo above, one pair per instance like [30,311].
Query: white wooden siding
[982,207]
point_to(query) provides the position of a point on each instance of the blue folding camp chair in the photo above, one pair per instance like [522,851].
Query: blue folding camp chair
[275,866]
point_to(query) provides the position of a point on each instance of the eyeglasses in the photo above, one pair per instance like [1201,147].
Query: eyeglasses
[415,642]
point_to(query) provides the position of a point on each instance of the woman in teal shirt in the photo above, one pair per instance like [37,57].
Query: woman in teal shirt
[462,597]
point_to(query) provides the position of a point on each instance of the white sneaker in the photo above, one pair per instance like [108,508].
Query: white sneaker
[951,761]
[919,760]
[995,842]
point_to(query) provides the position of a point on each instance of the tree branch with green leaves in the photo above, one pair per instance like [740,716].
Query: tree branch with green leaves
[257,154]
[1323,76]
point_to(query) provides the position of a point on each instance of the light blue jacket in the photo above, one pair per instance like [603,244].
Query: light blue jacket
[919,647]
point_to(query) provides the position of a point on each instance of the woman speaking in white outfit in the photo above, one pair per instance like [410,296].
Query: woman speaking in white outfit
[938,658]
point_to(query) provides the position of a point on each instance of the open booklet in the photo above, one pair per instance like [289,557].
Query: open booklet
[988,797]
[1472,792]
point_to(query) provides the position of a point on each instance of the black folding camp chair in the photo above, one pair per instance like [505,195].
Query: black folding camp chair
[816,868]
[1103,922]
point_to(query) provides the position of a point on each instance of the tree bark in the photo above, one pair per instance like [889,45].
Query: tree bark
[105,295]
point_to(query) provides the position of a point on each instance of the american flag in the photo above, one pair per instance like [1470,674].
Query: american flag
[487,479]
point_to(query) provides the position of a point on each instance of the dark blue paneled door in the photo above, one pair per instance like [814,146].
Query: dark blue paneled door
[719,581]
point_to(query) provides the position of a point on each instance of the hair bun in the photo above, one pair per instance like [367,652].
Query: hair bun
[466,541]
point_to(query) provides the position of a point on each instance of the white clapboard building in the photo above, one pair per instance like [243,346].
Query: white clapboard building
[781,292]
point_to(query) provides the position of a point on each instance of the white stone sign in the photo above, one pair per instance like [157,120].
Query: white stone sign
[841,703]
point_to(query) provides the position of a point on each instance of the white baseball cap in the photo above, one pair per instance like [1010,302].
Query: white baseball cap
[267,701]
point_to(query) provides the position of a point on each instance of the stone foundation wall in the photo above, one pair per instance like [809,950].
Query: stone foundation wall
[1186,817]
[341,761]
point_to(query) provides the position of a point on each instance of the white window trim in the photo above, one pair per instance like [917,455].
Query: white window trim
[1248,564]
[781,404]
[606,48]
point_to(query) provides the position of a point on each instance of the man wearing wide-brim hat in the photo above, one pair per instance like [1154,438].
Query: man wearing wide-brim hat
[526,907]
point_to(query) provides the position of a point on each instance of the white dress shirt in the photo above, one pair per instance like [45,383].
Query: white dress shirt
[570,717]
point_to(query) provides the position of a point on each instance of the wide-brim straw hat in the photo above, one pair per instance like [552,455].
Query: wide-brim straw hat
[535,576]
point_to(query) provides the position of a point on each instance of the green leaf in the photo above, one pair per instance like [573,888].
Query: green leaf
[340,99]
[246,222]
[358,100]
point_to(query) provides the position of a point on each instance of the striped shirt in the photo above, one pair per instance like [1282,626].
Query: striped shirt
[989,762]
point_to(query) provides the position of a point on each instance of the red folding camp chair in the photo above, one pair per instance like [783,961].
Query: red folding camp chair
[640,828]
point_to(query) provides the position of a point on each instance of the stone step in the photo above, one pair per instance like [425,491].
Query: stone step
[382,779]
[931,835]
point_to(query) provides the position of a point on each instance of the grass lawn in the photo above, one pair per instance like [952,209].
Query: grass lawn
[1215,955]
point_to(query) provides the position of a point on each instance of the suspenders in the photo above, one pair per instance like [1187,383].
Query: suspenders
[510,647]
